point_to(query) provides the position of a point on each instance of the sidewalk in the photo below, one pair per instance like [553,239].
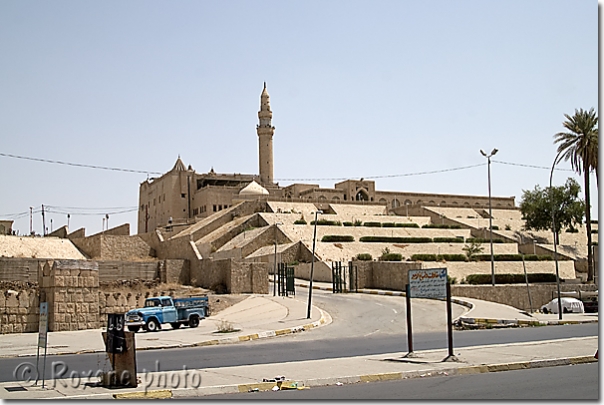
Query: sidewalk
[349,370]
[258,316]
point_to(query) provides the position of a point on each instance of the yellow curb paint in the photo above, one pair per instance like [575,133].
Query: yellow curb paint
[472,370]
[583,359]
[244,338]
[282,332]
[254,336]
[519,366]
[381,377]
[161,394]
[260,386]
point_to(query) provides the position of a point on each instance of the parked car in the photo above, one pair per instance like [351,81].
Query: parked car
[165,309]
[568,305]
[590,304]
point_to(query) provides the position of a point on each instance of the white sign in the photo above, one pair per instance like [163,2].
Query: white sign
[428,283]
[43,326]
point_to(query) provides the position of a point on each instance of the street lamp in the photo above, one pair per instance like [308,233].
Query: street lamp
[493,152]
[407,207]
[553,207]
[312,264]
[275,270]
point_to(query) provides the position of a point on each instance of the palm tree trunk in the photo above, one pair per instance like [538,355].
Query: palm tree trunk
[590,267]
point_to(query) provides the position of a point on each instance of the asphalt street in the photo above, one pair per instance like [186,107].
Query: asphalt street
[570,383]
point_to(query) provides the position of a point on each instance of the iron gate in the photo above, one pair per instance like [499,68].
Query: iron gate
[285,280]
[343,276]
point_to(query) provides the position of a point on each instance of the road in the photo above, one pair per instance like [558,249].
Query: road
[362,325]
[579,382]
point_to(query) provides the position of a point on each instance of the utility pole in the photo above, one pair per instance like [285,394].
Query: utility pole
[146,217]
[68,220]
[43,222]
[493,152]
[107,216]
[31,227]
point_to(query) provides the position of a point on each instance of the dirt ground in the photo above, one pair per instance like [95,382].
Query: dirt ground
[217,302]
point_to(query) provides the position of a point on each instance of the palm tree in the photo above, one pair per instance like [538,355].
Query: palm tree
[580,146]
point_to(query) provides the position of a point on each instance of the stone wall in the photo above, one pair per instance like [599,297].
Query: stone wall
[175,271]
[19,269]
[516,295]
[19,311]
[114,247]
[236,277]
[121,270]
[71,289]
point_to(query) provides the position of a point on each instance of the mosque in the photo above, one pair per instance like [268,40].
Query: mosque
[182,196]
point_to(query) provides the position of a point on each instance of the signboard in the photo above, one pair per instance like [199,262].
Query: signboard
[428,283]
[43,325]
[116,339]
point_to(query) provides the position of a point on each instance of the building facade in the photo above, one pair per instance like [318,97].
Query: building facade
[182,195]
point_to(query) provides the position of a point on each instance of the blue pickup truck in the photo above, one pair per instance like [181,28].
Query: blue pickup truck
[165,309]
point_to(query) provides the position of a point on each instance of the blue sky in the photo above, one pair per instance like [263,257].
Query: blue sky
[358,89]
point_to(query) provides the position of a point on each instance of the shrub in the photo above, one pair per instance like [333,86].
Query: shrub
[451,280]
[394,239]
[483,240]
[373,224]
[388,225]
[423,257]
[326,222]
[495,227]
[511,278]
[387,256]
[513,258]
[347,223]
[441,226]
[406,225]
[472,249]
[594,231]
[451,240]
[426,257]
[358,222]
[572,230]
[337,238]
[364,257]
[300,222]
[508,227]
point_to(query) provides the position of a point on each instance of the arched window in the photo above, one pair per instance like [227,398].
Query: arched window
[362,196]
[336,199]
[322,198]
[383,201]
[408,202]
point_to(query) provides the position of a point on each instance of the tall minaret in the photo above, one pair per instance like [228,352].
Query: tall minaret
[265,139]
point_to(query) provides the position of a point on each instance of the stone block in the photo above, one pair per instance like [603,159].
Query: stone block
[58,281]
[7,328]
[81,318]
[70,307]
[12,318]
[79,297]
[18,328]
[22,311]
[60,297]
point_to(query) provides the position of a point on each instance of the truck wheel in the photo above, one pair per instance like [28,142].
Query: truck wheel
[152,325]
[175,325]
[194,322]
[133,328]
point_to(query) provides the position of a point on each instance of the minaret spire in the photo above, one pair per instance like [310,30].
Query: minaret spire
[265,132]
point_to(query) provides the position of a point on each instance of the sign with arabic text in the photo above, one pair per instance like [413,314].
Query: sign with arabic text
[428,283]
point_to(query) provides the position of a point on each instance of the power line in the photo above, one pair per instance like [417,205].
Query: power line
[279,179]
[531,166]
[393,175]
[60,162]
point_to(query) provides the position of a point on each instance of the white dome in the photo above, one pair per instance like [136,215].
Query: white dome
[253,189]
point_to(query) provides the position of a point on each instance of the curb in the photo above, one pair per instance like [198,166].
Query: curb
[469,305]
[324,320]
[403,375]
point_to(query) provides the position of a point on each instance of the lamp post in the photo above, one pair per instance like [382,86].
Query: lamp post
[553,207]
[493,152]
[275,270]
[407,207]
[312,264]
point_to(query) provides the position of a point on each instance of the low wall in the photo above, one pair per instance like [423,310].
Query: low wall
[517,295]
[19,311]
[236,277]
[120,270]
[19,269]
[321,272]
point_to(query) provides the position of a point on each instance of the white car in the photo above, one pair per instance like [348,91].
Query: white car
[568,305]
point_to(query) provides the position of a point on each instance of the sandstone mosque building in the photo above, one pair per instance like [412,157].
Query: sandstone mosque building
[182,195]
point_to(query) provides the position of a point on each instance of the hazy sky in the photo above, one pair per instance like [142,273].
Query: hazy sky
[358,89]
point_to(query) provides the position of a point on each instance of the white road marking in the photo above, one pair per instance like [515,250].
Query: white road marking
[371,333]
[394,310]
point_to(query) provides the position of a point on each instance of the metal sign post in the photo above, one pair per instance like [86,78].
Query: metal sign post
[409,332]
[430,283]
[42,341]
